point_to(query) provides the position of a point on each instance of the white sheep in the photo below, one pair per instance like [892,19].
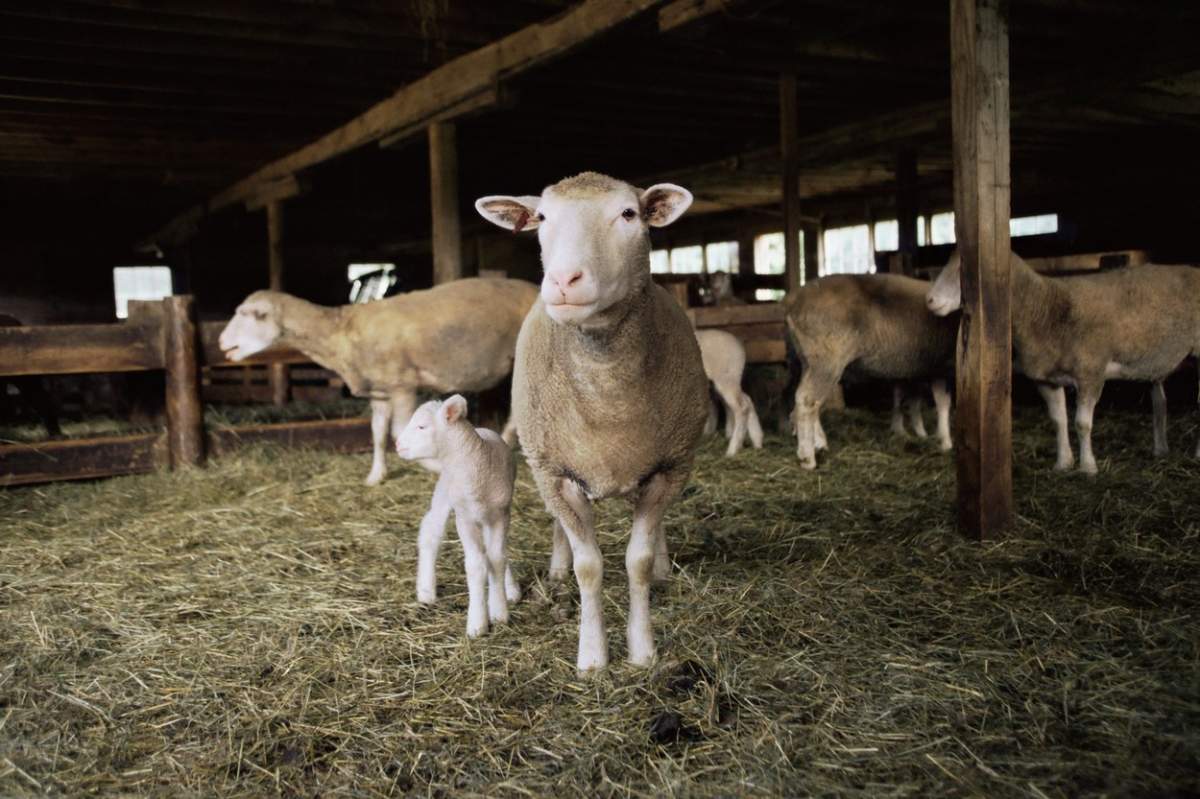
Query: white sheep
[1137,323]
[459,336]
[724,359]
[878,326]
[475,480]
[608,387]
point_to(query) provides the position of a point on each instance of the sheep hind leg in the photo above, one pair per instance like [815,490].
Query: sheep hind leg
[381,418]
[916,415]
[1085,407]
[640,559]
[1056,406]
[753,425]
[810,396]
[662,557]
[898,412]
[560,554]
[499,578]
[710,424]
[1158,401]
[731,396]
[941,399]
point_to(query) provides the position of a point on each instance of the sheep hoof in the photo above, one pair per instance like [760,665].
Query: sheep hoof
[808,463]
[643,660]
[557,575]
[499,618]
[945,446]
[513,593]
[476,630]
[1160,453]
[1090,469]
[428,598]
[374,478]
[591,662]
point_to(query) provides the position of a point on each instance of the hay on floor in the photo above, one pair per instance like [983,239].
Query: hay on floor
[250,629]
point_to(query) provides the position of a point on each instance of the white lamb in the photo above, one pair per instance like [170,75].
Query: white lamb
[724,359]
[476,482]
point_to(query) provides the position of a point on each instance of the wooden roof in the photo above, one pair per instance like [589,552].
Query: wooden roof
[172,100]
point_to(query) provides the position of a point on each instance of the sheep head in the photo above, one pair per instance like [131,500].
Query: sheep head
[254,327]
[594,233]
[945,295]
[419,439]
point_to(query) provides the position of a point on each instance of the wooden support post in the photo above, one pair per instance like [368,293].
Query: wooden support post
[277,372]
[443,177]
[185,417]
[746,263]
[906,211]
[812,253]
[982,192]
[789,134]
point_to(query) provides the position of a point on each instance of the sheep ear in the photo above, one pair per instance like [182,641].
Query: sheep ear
[454,409]
[663,203]
[511,213]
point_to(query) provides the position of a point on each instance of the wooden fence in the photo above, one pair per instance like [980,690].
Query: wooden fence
[157,336]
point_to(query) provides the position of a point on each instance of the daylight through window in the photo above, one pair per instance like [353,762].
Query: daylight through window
[139,283]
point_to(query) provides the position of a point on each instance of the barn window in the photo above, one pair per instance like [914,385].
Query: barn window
[887,235]
[1033,225]
[139,283]
[769,259]
[660,262]
[370,281]
[687,260]
[721,256]
[943,228]
[848,251]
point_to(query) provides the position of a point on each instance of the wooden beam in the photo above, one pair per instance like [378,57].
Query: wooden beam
[77,349]
[982,192]
[486,100]
[185,414]
[278,372]
[81,459]
[432,94]
[906,211]
[681,12]
[788,134]
[339,435]
[274,191]
[812,252]
[443,191]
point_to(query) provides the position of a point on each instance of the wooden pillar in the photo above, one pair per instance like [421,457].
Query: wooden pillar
[982,191]
[812,253]
[185,416]
[789,133]
[277,373]
[906,211]
[746,264]
[443,177]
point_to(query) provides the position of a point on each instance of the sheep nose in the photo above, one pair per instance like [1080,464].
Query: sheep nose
[565,280]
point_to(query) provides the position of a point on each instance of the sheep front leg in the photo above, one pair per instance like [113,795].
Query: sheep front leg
[495,540]
[1056,406]
[640,560]
[574,512]
[731,396]
[753,425]
[1158,400]
[941,399]
[381,417]
[475,562]
[429,541]
[916,416]
[560,554]
[897,411]
[1085,407]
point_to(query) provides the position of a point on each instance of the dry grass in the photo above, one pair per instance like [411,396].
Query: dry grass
[249,629]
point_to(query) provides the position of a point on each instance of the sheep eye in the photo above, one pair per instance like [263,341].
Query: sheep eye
[541,217]
[260,315]
[629,213]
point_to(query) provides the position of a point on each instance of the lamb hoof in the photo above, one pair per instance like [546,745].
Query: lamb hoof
[499,618]
[427,598]
[808,463]
[1090,469]
[513,593]
[591,662]
[477,629]
[945,446]
[557,575]
[374,478]
[642,660]
[1064,466]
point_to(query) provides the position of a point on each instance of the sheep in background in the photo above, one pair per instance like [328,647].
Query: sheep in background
[724,359]
[609,389]
[458,336]
[907,395]
[475,480]
[876,324]
[720,290]
[1137,323]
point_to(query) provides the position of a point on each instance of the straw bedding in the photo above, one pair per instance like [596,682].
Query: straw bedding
[249,629]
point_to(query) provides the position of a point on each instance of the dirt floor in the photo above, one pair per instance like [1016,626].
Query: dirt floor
[250,629]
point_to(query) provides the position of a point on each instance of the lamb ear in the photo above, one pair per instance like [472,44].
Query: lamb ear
[511,213]
[454,409]
[663,203]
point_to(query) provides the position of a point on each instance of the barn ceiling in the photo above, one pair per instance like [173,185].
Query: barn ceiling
[163,102]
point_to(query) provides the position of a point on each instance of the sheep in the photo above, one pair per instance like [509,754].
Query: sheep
[458,336]
[476,473]
[724,359]
[1137,323]
[609,389]
[876,324]
[720,290]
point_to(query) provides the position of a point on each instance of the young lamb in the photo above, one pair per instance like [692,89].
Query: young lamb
[724,359]
[720,288]
[1137,323]
[608,387]
[476,472]
[876,324]
[437,339]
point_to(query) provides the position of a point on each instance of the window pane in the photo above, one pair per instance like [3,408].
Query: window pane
[848,251]
[943,228]
[768,295]
[660,262]
[921,231]
[887,235]
[687,260]
[1033,225]
[768,254]
[722,256]
[139,283]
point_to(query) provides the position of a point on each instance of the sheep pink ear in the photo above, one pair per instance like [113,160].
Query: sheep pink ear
[511,213]
[454,409]
[663,203]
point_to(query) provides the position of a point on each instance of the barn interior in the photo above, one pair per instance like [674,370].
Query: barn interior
[200,630]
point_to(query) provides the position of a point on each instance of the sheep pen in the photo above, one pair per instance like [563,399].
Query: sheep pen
[249,629]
